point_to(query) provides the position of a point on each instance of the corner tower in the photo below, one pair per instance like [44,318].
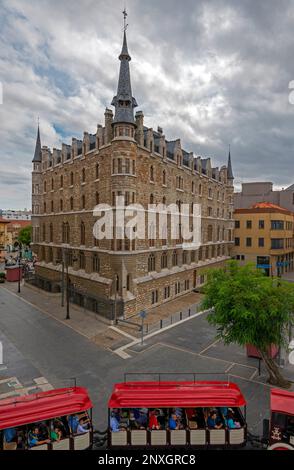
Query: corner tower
[124,103]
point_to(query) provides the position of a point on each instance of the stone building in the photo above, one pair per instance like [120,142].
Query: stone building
[124,157]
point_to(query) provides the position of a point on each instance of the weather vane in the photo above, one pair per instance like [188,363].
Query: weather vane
[125,18]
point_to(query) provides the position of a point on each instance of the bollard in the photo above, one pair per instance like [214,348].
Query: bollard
[181,315]
[189,312]
[171,319]
[160,324]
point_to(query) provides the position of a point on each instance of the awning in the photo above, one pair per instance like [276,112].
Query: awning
[41,406]
[282,401]
[175,394]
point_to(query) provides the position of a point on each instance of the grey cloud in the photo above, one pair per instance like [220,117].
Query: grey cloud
[211,72]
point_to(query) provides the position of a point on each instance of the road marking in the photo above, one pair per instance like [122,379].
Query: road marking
[157,332]
[122,354]
[209,346]
[43,384]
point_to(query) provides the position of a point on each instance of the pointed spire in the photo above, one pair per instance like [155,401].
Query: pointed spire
[124,102]
[230,171]
[38,153]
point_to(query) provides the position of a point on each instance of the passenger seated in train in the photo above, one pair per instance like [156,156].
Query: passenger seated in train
[56,434]
[10,435]
[84,426]
[153,421]
[174,422]
[195,418]
[214,421]
[73,422]
[142,421]
[34,438]
[230,420]
[115,424]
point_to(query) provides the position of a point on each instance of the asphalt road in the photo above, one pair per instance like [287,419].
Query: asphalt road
[36,345]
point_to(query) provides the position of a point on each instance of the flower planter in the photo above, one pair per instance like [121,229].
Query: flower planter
[252,351]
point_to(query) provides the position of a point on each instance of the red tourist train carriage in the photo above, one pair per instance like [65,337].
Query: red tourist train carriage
[281,435]
[163,398]
[20,415]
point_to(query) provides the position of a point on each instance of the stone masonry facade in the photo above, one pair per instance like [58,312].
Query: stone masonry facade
[125,158]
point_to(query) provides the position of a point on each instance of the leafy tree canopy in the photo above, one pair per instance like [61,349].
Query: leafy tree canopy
[25,235]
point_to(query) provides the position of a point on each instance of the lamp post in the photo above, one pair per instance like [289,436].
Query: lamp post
[19,271]
[115,299]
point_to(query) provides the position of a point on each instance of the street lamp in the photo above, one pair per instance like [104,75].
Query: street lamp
[19,268]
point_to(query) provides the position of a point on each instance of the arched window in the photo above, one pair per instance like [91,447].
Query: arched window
[65,232]
[164,260]
[151,173]
[71,203]
[44,208]
[83,234]
[164,177]
[209,233]
[96,263]
[175,258]
[151,199]
[51,233]
[82,260]
[83,201]
[52,206]
[151,262]
[52,183]
[45,186]
[200,190]
[97,198]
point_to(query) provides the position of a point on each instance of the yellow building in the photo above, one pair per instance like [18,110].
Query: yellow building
[264,236]
[3,238]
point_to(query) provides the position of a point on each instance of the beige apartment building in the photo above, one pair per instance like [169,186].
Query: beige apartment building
[264,236]
[125,158]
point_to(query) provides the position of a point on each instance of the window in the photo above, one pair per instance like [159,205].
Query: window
[277,225]
[185,257]
[248,223]
[151,173]
[248,241]
[151,199]
[166,292]
[119,165]
[261,224]
[164,177]
[237,241]
[177,288]
[209,233]
[82,260]
[97,197]
[97,171]
[52,206]
[164,260]
[71,203]
[61,181]
[96,264]
[237,223]
[261,242]
[175,258]
[51,233]
[151,262]
[83,175]
[61,205]
[127,165]
[83,234]
[187,284]
[65,232]
[277,243]
[71,179]
[154,297]
[83,201]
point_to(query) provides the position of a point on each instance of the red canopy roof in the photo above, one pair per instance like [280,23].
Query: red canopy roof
[173,394]
[27,409]
[282,401]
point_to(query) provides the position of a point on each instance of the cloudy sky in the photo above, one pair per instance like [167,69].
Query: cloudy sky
[211,72]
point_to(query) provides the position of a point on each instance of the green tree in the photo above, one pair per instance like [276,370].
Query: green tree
[251,308]
[25,235]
